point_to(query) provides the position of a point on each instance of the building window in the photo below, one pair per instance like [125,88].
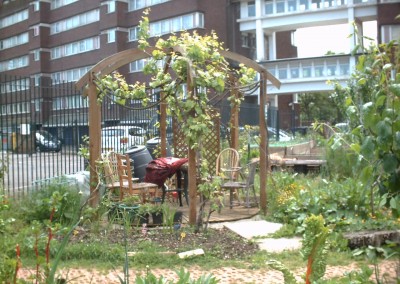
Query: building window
[251,9]
[292,5]
[269,7]
[111,34]
[69,75]
[36,79]
[319,71]
[36,30]
[282,73]
[294,73]
[280,6]
[69,102]
[331,70]
[140,4]
[111,6]
[59,3]
[36,6]
[75,21]
[389,33]
[176,24]
[14,86]
[306,71]
[304,5]
[14,18]
[245,40]
[14,63]
[344,69]
[14,41]
[36,54]
[73,48]
[134,33]
[137,66]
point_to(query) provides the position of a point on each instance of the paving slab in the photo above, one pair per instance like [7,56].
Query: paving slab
[250,229]
[279,245]
[258,229]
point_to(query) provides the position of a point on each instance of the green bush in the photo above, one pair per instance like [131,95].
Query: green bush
[343,203]
[64,198]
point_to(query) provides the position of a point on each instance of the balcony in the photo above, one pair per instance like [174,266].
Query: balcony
[309,74]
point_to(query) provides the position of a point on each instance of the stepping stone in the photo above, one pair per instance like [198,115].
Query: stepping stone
[251,229]
[257,229]
[279,245]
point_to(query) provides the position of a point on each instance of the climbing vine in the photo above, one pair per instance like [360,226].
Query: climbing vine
[187,69]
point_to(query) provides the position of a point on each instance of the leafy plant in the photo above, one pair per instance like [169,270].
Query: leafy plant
[39,204]
[372,100]
[314,250]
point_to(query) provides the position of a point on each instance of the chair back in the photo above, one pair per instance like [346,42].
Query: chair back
[252,168]
[110,167]
[124,172]
[227,163]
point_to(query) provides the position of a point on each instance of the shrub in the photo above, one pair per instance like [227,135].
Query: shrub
[39,204]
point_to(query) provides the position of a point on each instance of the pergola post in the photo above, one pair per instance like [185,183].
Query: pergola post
[234,119]
[163,126]
[263,144]
[94,141]
[192,171]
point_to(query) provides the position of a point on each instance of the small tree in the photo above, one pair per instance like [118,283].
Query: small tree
[372,100]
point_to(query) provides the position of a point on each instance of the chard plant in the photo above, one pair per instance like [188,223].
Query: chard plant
[314,251]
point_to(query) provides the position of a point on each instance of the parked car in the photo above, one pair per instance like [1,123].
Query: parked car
[272,132]
[153,130]
[121,138]
[45,142]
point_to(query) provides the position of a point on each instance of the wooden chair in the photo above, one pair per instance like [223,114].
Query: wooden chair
[227,168]
[110,173]
[126,184]
[247,183]
[227,165]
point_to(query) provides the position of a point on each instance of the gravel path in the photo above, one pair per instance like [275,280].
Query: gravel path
[226,275]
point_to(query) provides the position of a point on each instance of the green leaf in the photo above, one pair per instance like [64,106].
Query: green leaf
[368,147]
[366,174]
[389,163]
[396,140]
[384,130]
[393,203]
[362,81]
[395,89]
[380,101]
[355,147]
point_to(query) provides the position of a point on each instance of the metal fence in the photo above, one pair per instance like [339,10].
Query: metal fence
[31,110]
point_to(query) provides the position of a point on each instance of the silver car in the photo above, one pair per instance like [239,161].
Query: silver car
[121,138]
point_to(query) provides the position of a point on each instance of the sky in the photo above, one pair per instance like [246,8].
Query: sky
[316,41]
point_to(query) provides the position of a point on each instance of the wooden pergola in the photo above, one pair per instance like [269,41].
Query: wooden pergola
[115,61]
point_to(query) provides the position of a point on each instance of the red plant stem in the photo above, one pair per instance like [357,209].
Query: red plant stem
[18,265]
[50,236]
[309,268]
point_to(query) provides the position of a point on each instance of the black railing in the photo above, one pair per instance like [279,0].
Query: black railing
[42,128]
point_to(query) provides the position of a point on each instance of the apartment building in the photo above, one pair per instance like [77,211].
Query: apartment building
[54,41]
[268,20]
[47,43]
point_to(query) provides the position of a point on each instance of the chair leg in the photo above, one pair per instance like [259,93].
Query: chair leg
[164,192]
[180,197]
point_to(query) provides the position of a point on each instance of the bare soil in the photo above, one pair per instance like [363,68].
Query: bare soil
[221,243]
